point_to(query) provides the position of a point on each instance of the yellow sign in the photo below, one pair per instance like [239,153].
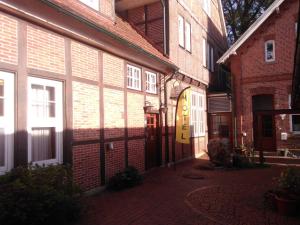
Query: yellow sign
[183,117]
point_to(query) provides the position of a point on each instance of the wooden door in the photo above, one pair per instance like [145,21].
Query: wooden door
[152,147]
[263,123]
[264,133]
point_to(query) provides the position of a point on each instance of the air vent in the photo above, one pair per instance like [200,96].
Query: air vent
[219,104]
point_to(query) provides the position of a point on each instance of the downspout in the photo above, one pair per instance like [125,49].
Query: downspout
[165,27]
[167,157]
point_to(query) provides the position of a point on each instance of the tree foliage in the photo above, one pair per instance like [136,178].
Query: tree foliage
[240,14]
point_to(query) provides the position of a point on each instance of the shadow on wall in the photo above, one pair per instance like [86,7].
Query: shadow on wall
[98,154]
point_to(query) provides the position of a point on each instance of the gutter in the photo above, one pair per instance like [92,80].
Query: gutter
[105,31]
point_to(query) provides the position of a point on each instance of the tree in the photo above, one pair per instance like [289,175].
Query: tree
[240,14]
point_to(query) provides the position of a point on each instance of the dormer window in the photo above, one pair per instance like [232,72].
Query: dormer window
[270,51]
[91,3]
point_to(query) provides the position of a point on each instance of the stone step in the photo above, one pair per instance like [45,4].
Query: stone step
[280,160]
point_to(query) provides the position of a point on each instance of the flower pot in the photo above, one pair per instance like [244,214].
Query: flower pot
[286,207]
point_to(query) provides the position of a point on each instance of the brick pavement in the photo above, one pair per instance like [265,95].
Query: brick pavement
[167,198]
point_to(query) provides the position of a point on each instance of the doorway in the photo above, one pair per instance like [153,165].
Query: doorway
[152,141]
[264,132]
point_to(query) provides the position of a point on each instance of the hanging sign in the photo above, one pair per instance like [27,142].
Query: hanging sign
[182,122]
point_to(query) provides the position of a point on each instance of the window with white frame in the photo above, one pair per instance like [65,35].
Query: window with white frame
[206,5]
[181,30]
[151,82]
[294,120]
[188,36]
[212,59]
[91,3]
[6,121]
[204,47]
[45,121]
[208,56]
[197,114]
[270,51]
[133,77]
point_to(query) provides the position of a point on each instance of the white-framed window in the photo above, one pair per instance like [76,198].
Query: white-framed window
[188,32]
[206,5]
[133,77]
[204,52]
[6,121]
[181,31]
[212,60]
[151,82]
[208,55]
[91,3]
[45,121]
[270,51]
[197,114]
[294,120]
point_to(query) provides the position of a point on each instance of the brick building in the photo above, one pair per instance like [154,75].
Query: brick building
[92,82]
[262,64]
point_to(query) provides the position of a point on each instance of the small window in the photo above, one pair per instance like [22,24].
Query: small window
[91,3]
[133,77]
[151,82]
[188,36]
[197,115]
[206,6]
[270,51]
[45,123]
[181,30]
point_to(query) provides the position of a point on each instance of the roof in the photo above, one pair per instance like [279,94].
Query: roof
[250,31]
[117,28]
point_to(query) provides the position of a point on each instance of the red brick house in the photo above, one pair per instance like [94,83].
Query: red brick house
[81,85]
[262,63]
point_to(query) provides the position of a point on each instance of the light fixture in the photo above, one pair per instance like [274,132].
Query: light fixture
[148,106]
[163,108]
[282,116]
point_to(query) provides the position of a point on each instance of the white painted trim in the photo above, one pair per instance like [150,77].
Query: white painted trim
[93,4]
[56,122]
[8,120]
[250,30]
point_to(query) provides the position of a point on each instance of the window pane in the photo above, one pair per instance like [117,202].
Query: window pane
[296,122]
[50,93]
[51,109]
[2,148]
[43,144]
[204,52]
[181,31]
[1,88]
[188,36]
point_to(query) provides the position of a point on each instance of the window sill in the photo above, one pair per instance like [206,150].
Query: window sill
[134,89]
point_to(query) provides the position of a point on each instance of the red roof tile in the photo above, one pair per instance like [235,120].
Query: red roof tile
[114,25]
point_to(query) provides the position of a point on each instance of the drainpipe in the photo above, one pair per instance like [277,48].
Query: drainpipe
[167,158]
[165,8]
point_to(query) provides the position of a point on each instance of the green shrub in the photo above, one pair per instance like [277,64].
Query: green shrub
[130,177]
[36,195]
[289,181]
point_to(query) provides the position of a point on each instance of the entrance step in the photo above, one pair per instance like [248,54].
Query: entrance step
[280,160]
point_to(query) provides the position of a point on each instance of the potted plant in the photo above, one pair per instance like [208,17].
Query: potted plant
[288,192]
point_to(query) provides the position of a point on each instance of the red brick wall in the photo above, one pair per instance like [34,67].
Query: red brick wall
[8,39]
[86,166]
[253,76]
[136,154]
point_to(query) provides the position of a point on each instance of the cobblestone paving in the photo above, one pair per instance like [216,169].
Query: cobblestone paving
[168,198]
